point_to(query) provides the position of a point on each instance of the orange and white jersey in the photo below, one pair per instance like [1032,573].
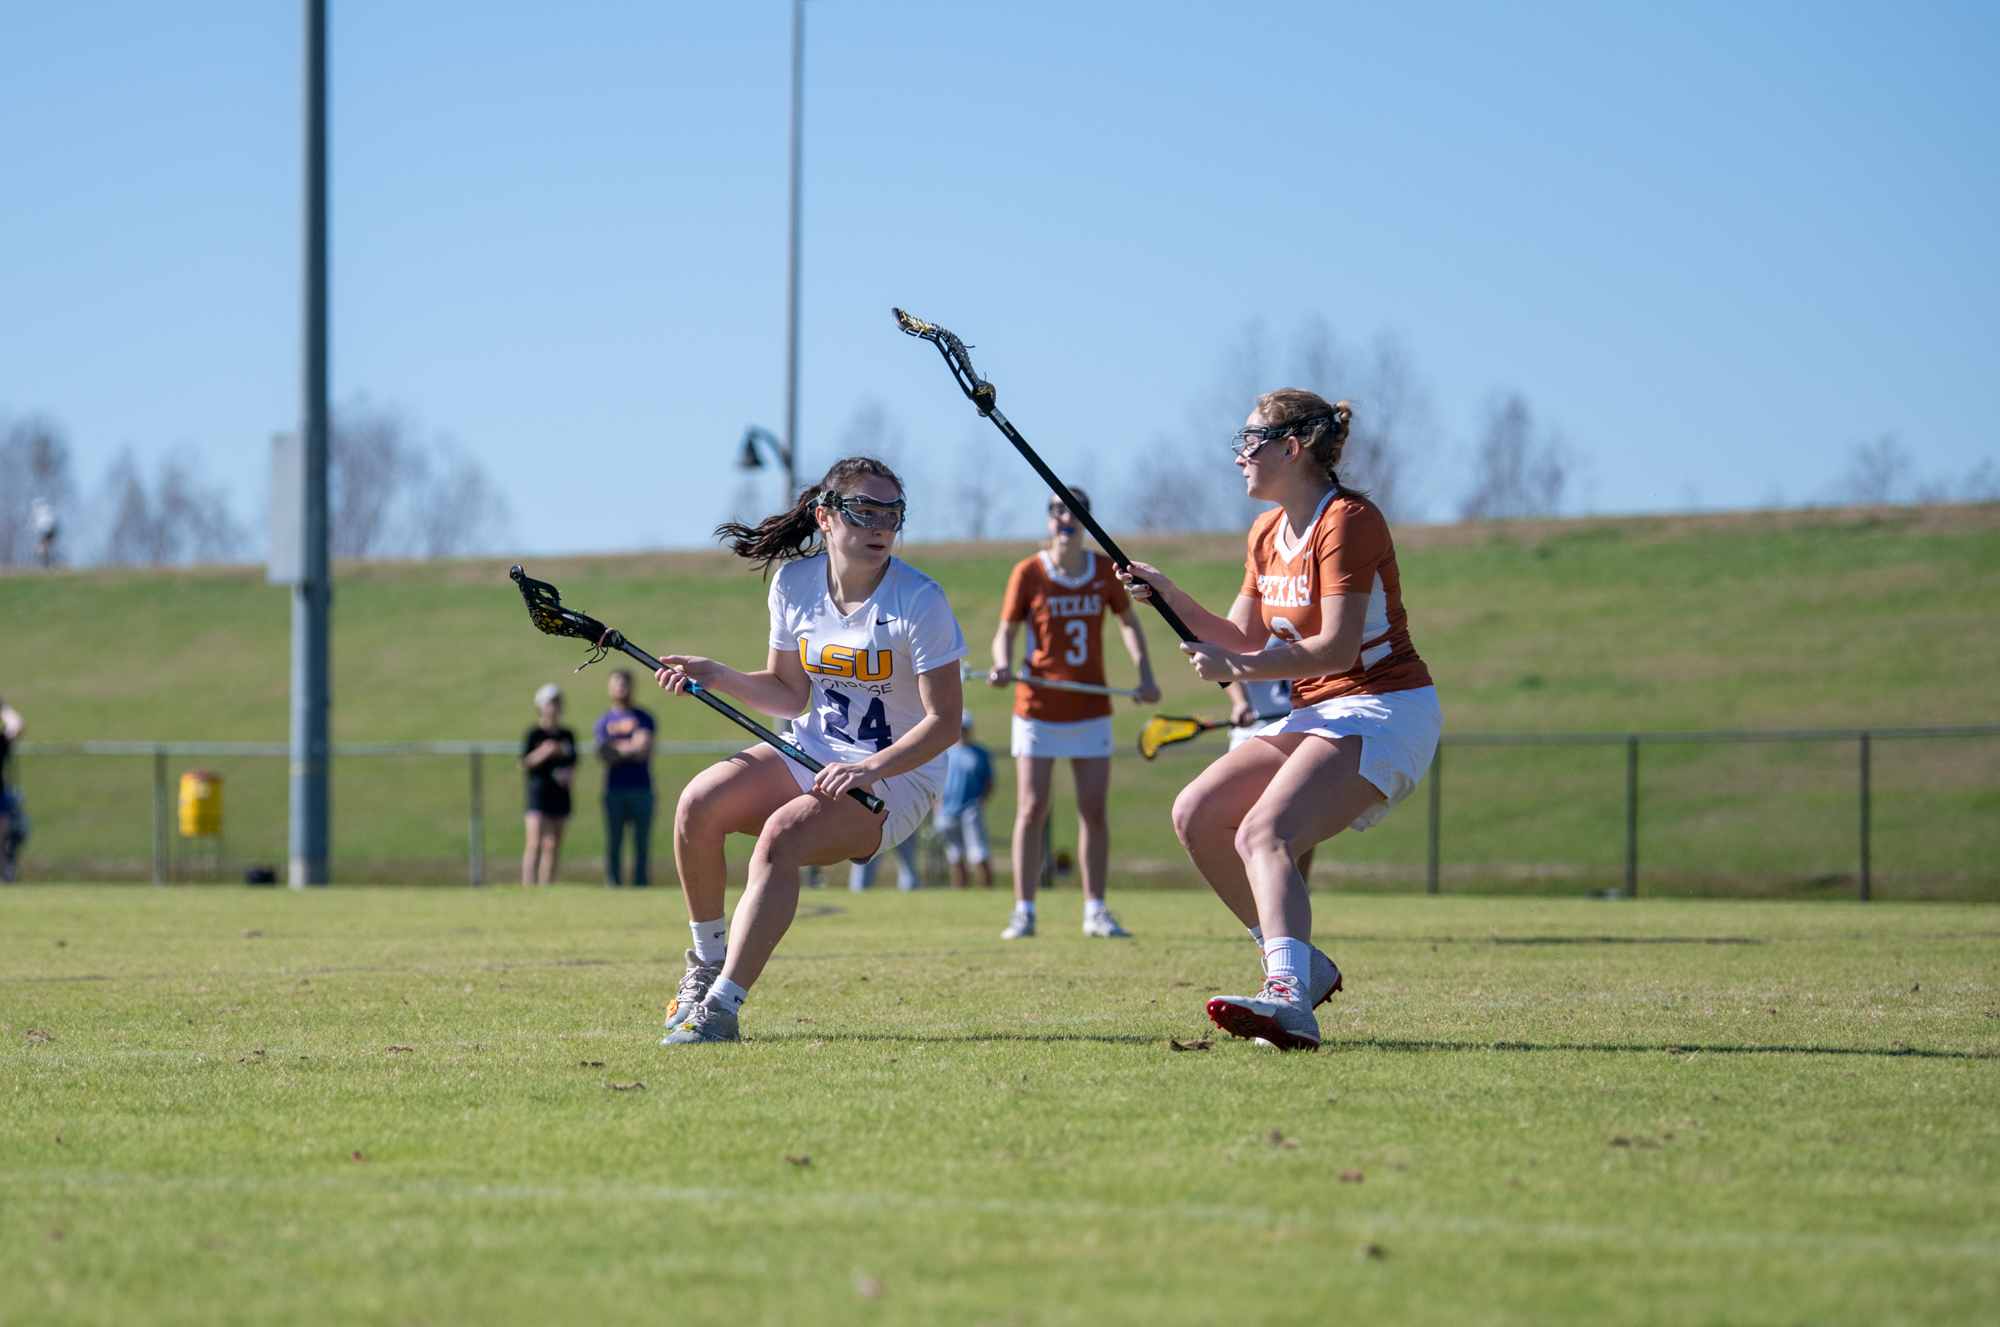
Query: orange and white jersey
[1065,617]
[863,665]
[1345,550]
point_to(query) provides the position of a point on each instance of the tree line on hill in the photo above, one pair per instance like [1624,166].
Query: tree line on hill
[391,494]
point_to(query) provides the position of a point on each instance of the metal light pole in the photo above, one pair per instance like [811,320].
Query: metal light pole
[312,592]
[790,450]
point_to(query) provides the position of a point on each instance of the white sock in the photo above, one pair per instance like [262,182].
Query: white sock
[1095,907]
[1285,957]
[1025,905]
[710,939]
[727,995]
[1257,934]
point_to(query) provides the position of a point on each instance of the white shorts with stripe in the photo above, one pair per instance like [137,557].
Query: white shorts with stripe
[1398,732]
[910,797]
[1081,740]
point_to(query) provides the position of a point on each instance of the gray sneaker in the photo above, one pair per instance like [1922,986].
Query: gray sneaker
[1278,1014]
[1019,926]
[1324,980]
[694,989]
[1104,926]
[704,1023]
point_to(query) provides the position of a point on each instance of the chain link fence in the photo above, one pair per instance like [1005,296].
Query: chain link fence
[1902,813]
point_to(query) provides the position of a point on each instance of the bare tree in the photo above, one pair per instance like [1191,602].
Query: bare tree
[1519,470]
[1394,423]
[1878,474]
[391,495]
[983,498]
[176,519]
[1172,494]
[34,468]
[1982,484]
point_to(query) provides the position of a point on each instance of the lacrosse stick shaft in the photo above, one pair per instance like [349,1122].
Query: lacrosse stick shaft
[1054,684]
[744,721]
[1084,517]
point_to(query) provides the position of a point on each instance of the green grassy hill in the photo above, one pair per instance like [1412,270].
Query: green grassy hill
[1772,620]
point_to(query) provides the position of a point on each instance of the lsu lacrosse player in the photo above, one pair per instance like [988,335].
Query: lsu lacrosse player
[1321,578]
[864,653]
[1061,595]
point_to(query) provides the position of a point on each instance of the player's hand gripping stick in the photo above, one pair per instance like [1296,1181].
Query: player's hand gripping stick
[545,609]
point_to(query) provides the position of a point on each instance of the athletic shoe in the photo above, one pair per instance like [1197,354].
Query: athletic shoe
[1324,981]
[1019,926]
[704,1023]
[1278,1014]
[694,989]
[1104,926]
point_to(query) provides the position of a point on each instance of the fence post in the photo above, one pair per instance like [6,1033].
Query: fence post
[477,863]
[1632,815]
[160,816]
[1864,818]
[1437,816]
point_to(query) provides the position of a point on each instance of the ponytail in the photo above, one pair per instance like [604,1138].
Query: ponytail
[795,533]
[1320,425]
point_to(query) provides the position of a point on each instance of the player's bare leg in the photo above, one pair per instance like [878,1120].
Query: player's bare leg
[1317,793]
[1209,811]
[1034,778]
[812,829]
[1093,787]
[735,796]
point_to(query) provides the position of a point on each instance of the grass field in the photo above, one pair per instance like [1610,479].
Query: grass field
[408,1106]
[1766,620]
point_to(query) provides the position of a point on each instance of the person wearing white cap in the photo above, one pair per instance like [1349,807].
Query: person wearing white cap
[548,758]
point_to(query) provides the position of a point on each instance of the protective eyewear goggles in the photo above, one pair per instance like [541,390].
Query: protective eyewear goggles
[1246,443]
[865,513]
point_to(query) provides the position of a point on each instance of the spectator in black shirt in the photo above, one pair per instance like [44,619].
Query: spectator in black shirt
[548,756]
[10,729]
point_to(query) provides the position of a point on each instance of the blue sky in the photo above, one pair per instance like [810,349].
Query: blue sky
[1716,245]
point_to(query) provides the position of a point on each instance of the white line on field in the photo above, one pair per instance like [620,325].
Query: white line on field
[1725,1241]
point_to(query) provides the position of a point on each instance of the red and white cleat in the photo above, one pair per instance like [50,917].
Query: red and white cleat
[1278,1014]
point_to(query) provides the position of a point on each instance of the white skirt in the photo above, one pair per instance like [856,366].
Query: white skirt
[909,797]
[1082,740]
[1398,732]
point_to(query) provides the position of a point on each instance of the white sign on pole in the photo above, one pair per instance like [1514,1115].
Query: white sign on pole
[285,564]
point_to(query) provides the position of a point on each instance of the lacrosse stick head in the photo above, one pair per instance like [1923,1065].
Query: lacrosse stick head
[546,611]
[976,388]
[1164,730]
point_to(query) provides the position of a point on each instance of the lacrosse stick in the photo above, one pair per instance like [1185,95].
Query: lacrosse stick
[545,609]
[968,673]
[981,393]
[1166,729]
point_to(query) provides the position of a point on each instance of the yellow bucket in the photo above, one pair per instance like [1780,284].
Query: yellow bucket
[201,804]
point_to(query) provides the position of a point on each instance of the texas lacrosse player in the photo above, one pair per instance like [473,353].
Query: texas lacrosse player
[1321,578]
[1061,596]
[866,649]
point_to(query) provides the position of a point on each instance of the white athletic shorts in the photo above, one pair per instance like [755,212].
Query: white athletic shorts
[910,798]
[1398,732]
[964,835]
[1065,741]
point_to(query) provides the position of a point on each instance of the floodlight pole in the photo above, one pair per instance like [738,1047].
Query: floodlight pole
[307,841]
[792,273]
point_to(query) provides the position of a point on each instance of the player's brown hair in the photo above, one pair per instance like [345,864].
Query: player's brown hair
[1321,425]
[795,534]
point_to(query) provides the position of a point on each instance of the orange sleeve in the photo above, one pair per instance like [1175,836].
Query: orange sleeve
[1249,590]
[1020,597]
[1352,548]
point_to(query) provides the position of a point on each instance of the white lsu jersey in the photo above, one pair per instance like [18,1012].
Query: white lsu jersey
[863,666]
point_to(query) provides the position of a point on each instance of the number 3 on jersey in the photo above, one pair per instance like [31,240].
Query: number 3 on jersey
[1079,642]
[874,723]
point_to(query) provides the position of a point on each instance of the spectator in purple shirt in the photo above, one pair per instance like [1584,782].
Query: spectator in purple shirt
[625,745]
